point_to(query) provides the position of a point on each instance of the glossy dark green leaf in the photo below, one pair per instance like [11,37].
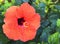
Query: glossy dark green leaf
[15,42]
[41,9]
[44,37]
[25,0]
[0,42]
[45,34]
[45,23]
[3,38]
[38,34]
[18,2]
[1,22]
[57,7]
[42,5]
[53,17]
[32,43]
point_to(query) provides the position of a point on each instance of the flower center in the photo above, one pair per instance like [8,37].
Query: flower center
[21,21]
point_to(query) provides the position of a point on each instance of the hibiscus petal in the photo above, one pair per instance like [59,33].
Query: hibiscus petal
[10,33]
[11,15]
[28,11]
[28,33]
[35,21]
[11,12]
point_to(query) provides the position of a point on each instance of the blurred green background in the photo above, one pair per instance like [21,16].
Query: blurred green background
[48,33]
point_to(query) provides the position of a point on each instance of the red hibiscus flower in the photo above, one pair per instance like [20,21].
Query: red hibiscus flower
[21,23]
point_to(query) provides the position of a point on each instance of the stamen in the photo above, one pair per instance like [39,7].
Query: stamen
[21,21]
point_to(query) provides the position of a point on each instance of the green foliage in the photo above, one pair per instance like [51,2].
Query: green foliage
[54,38]
[3,39]
[49,30]
[58,23]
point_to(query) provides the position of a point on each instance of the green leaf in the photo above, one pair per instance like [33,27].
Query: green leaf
[1,18]
[0,42]
[53,17]
[58,23]
[6,5]
[37,2]
[18,2]
[41,8]
[46,9]
[32,43]
[3,39]
[15,42]
[1,22]
[54,38]
[45,23]
[13,1]
[44,37]
[25,0]
[57,7]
